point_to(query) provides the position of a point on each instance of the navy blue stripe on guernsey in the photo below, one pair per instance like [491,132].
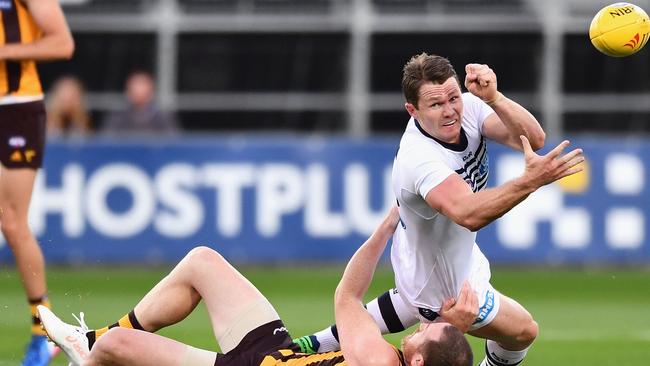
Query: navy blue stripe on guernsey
[389,314]
[479,151]
[12,35]
[482,183]
[478,157]
[476,182]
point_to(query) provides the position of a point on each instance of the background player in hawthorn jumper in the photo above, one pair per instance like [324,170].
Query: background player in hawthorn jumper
[32,30]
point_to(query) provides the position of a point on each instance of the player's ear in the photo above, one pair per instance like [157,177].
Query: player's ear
[417,360]
[411,109]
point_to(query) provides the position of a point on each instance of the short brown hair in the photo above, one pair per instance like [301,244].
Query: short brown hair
[451,350]
[424,68]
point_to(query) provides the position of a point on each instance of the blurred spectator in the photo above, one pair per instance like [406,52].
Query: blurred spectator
[67,115]
[141,116]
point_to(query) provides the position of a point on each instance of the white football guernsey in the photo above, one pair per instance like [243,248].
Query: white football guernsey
[432,255]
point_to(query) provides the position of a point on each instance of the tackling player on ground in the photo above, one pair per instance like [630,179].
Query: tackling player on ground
[249,330]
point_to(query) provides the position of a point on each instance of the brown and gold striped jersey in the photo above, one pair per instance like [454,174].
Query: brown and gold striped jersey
[18,78]
[290,358]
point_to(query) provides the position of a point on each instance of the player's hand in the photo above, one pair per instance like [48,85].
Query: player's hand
[542,170]
[481,81]
[461,312]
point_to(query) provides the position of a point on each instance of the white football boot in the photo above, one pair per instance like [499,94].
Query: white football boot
[70,338]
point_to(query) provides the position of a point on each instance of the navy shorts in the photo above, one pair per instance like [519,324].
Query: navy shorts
[257,344]
[22,134]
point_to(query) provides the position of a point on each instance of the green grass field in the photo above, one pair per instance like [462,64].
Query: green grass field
[587,317]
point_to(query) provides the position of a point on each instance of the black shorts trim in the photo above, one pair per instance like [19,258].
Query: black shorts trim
[22,134]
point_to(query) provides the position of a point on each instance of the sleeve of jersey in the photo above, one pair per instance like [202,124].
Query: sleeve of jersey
[429,174]
[478,110]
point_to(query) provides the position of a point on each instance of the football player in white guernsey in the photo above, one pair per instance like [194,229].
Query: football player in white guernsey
[439,178]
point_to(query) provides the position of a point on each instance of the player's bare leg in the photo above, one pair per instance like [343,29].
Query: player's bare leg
[16,186]
[122,346]
[510,334]
[232,302]
[202,274]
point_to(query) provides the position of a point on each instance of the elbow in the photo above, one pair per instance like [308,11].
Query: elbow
[471,223]
[338,296]
[67,49]
[537,142]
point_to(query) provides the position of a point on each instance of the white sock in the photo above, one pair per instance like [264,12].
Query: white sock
[328,342]
[495,355]
[390,312]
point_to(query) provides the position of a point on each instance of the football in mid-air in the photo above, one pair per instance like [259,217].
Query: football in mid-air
[620,29]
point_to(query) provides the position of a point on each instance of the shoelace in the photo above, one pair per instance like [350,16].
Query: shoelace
[83,328]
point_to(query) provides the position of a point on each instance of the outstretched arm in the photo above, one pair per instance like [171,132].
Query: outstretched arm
[56,41]
[454,199]
[361,340]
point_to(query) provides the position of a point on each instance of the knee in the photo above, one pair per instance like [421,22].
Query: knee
[11,228]
[107,349]
[204,255]
[529,332]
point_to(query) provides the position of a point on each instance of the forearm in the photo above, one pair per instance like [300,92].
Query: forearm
[518,121]
[481,208]
[46,48]
[361,267]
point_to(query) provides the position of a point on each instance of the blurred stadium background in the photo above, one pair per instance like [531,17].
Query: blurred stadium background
[291,111]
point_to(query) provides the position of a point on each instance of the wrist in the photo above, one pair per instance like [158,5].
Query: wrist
[525,184]
[497,98]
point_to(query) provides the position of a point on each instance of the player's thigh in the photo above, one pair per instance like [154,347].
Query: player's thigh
[122,346]
[235,305]
[513,324]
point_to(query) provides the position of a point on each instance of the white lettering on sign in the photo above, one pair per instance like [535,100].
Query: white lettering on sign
[169,201]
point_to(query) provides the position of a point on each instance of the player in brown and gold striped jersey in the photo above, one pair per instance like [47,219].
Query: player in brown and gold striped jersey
[30,31]
[249,330]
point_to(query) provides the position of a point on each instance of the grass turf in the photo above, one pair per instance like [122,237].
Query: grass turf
[586,317]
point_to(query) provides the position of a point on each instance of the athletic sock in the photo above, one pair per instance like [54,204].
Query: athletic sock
[327,340]
[37,327]
[389,311]
[308,344]
[127,321]
[495,355]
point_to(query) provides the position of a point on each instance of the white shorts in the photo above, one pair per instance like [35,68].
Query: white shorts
[489,299]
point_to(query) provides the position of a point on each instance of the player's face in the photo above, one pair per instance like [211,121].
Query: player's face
[440,110]
[426,332]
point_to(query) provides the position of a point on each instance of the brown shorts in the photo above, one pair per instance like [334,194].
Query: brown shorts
[22,134]
[256,345]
